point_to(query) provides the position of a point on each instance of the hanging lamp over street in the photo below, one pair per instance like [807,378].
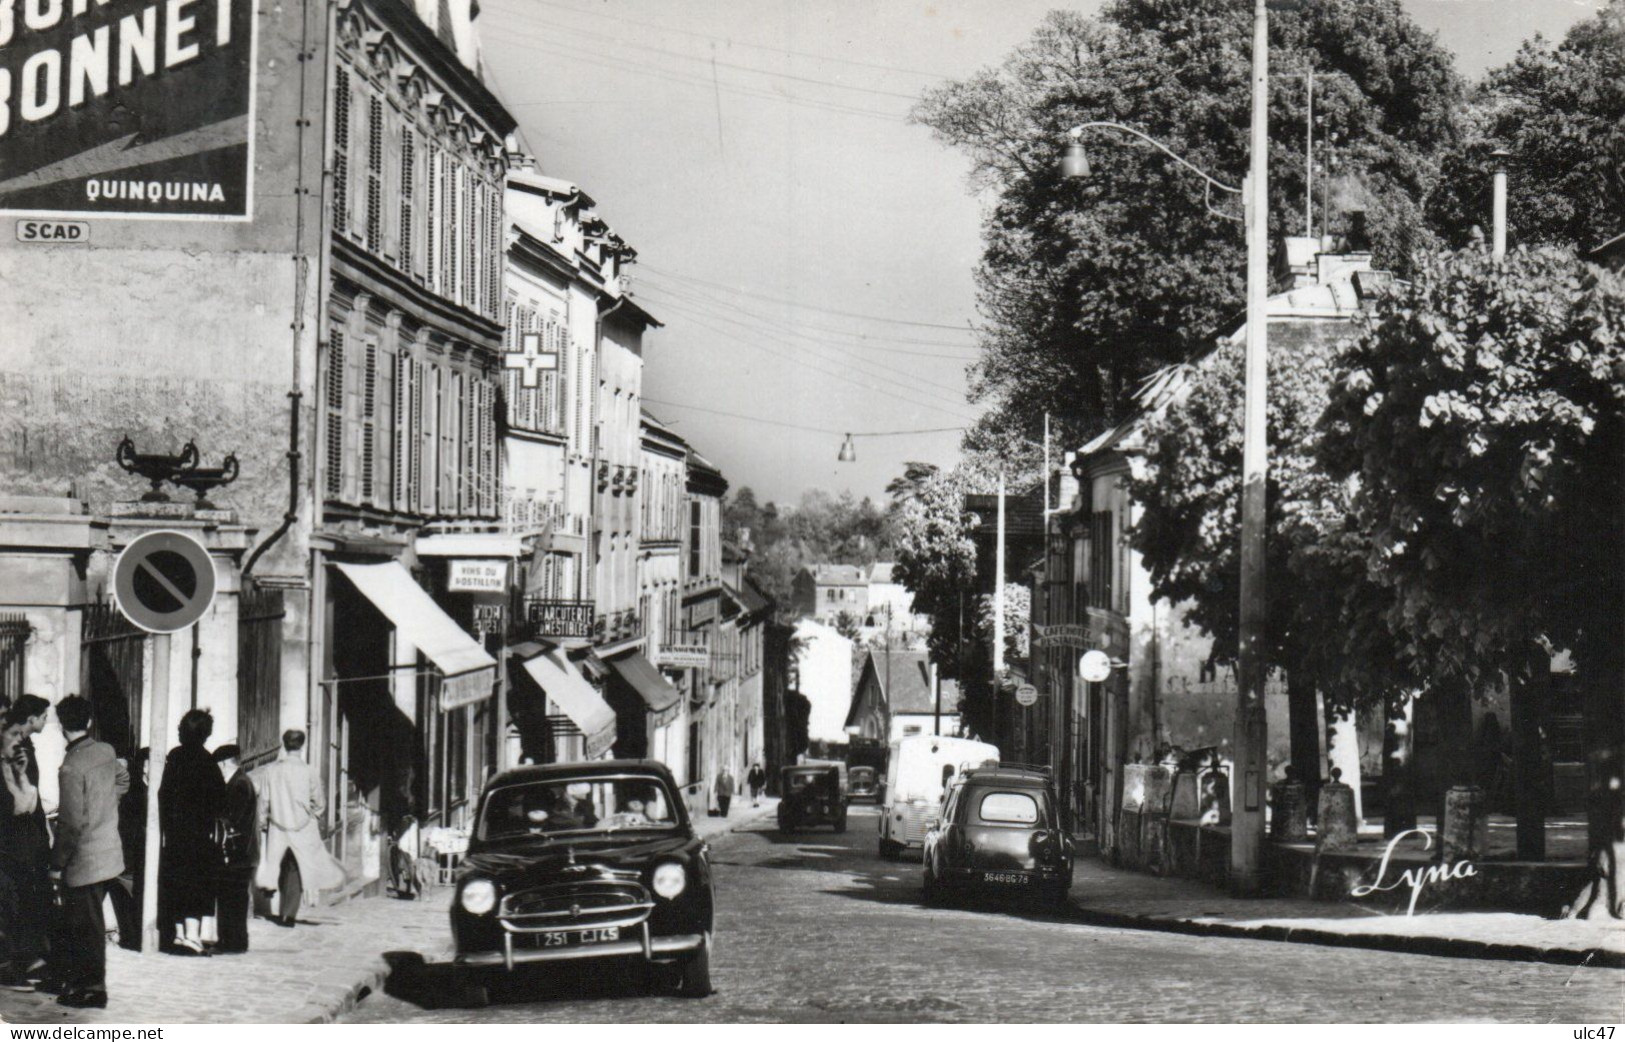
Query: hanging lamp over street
[1075,164]
[849,451]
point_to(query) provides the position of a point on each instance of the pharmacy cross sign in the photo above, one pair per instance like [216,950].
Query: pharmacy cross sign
[530,359]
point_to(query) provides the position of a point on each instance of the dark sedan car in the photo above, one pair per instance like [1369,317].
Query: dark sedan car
[586,861]
[862,783]
[999,832]
[811,796]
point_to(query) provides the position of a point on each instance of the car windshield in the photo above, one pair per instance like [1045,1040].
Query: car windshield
[576,805]
[800,780]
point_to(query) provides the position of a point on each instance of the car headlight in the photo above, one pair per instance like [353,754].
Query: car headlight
[479,896]
[669,879]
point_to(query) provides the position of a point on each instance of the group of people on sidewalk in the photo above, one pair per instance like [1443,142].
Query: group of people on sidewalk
[755,780]
[225,834]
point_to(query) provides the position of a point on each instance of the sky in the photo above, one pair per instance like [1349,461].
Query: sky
[810,251]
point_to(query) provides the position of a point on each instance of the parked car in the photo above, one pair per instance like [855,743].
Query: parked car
[1000,831]
[918,774]
[592,860]
[811,794]
[863,784]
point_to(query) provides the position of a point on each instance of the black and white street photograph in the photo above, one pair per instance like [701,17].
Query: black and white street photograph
[806,512]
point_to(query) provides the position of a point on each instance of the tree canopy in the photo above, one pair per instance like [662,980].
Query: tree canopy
[1560,112]
[1089,286]
[1480,419]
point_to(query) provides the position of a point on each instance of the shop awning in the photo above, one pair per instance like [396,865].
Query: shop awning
[470,671]
[469,544]
[656,691]
[569,690]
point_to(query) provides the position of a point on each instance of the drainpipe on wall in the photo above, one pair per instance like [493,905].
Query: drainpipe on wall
[301,262]
[315,635]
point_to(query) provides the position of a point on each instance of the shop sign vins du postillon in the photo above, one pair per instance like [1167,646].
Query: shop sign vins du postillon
[127,108]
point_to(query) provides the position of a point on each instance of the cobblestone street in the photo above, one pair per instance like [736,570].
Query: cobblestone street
[816,927]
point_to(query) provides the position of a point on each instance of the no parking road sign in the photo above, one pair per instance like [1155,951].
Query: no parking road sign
[164,581]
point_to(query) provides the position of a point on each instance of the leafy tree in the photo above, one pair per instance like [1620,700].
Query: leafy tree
[1480,421]
[1319,627]
[1561,113]
[1089,286]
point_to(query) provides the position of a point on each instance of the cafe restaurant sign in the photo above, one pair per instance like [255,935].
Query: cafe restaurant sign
[1064,635]
[127,108]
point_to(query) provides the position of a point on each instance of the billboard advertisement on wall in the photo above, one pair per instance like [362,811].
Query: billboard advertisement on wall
[127,108]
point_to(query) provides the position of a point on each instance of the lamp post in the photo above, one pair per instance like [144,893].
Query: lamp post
[1249,740]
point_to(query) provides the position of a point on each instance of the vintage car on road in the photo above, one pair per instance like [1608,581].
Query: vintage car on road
[811,795]
[999,832]
[919,770]
[592,860]
[862,785]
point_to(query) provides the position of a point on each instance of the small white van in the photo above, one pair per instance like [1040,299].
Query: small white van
[918,773]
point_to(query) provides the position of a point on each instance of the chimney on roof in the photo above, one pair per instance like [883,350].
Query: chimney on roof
[1498,205]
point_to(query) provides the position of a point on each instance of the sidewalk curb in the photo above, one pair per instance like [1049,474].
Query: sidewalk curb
[1445,947]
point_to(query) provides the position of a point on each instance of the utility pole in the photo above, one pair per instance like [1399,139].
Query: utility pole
[998,591]
[1309,157]
[1247,812]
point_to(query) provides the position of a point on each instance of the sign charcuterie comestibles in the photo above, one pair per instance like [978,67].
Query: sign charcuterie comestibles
[130,108]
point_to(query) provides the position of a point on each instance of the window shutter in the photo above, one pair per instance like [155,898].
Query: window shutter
[369,418]
[432,231]
[449,476]
[333,428]
[414,490]
[494,258]
[472,388]
[487,468]
[403,430]
[355,368]
[409,149]
[375,168]
[430,476]
[448,231]
[341,149]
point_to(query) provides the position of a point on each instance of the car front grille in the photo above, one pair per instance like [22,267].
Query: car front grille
[574,906]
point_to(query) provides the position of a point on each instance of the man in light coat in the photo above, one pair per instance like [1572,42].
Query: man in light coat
[291,804]
[88,854]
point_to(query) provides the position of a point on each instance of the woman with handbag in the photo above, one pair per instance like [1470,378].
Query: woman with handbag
[238,831]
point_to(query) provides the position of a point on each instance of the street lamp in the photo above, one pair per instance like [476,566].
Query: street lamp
[848,453]
[1251,767]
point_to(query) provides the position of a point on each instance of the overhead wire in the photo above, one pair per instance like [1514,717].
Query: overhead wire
[909,394]
[914,381]
[868,339]
[602,60]
[797,304]
[621,42]
[799,426]
[851,355]
[729,41]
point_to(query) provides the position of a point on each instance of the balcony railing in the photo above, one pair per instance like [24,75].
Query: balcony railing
[619,625]
[541,617]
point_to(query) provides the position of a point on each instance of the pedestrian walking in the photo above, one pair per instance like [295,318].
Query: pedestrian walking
[756,779]
[88,855]
[191,796]
[25,852]
[294,860]
[132,832]
[239,834]
[725,791]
